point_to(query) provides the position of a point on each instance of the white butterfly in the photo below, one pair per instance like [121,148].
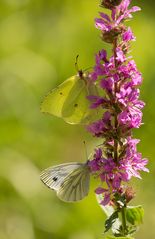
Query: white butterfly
[70,180]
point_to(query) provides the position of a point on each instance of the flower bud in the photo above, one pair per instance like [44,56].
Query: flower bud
[110,36]
[129,194]
[110,3]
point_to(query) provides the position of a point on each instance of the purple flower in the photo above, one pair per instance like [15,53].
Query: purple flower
[99,128]
[131,146]
[107,83]
[120,56]
[97,101]
[128,35]
[100,190]
[132,163]
[95,164]
[104,23]
[114,174]
[125,13]
[129,72]
[103,56]
[128,96]
[106,199]
[133,166]
[131,117]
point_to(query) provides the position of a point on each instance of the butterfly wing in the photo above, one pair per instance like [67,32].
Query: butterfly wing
[76,107]
[53,177]
[76,185]
[70,181]
[54,101]
[61,99]
[68,101]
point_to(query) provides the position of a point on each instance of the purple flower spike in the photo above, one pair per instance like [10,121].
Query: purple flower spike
[117,79]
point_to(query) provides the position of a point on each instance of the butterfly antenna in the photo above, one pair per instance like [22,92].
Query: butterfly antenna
[86,151]
[76,63]
[80,72]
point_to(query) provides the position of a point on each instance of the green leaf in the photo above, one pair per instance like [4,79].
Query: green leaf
[132,229]
[113,237]
[135,215]
[110,221]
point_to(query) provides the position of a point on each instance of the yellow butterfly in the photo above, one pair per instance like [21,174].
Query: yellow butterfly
[69,100]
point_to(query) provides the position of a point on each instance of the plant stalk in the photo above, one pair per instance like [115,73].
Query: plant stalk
[124,226]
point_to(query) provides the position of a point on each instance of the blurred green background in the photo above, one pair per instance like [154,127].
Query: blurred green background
[39,40]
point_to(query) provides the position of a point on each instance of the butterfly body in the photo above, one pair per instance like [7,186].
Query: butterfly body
[70,180]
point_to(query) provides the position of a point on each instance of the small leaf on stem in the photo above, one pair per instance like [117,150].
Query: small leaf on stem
[135,215]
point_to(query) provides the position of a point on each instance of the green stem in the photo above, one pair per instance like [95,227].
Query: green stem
[115,117]
[124,226]
[115,151]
